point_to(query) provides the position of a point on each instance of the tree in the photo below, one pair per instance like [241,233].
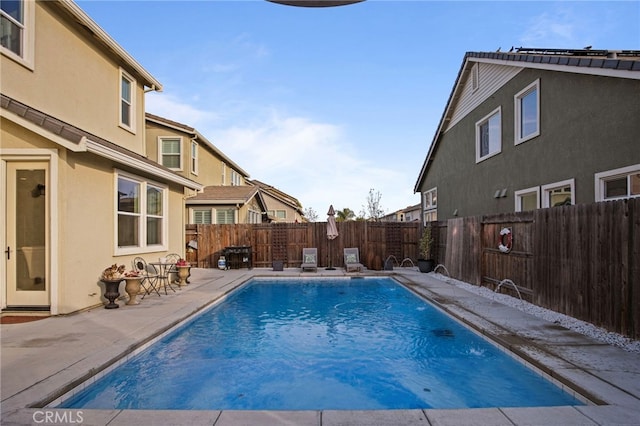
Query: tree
[374,209]
[311,214]
[345,215]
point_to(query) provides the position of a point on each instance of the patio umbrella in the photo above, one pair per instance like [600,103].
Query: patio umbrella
[332,231]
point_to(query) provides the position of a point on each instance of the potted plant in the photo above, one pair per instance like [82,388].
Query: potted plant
[184,271]
[112,276]
[425,245]
[132,287]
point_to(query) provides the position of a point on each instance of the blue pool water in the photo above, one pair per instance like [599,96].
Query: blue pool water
[321,344]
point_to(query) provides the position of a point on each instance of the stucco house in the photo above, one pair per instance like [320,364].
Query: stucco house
[280,206]
[82,190]
[228,196]
[535,128]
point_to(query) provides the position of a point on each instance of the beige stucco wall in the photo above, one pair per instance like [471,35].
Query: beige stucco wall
[72,80]
[86,188]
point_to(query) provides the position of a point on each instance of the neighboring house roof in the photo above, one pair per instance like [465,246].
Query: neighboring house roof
[607,63]
[101,37]
[222,194]
[276,193]
[78,140]
[197,135]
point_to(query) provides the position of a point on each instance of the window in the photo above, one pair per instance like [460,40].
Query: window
[430,202]
[170,152]
[202,216]
[254,217]
[194,157]
[618,184]
[127,101]
[527,199]
[17,30]
[224,174]
[227,216]
[235,178]
[527,113]
[142,212]
[558,194]
[489,136]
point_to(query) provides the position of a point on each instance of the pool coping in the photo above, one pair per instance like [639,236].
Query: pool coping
[605,373]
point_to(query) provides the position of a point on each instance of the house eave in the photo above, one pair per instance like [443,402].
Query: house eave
[117,156]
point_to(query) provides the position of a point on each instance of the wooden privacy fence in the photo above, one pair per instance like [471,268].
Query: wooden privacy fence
[284,242]
[583,260]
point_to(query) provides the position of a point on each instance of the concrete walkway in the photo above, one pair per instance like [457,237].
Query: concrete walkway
[42,360]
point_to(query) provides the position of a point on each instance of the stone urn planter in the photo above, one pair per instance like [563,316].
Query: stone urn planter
[184,271]
[112,276]
[132,288]
[111,292]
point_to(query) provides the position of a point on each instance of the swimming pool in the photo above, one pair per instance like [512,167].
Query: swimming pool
[316,344]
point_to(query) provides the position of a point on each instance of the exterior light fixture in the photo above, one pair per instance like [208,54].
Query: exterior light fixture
[315,3]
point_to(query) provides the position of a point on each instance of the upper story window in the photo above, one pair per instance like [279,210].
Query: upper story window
[170,152]
[618,184]
[235,178]
[527,113]
[489,135]
[17,30]
[127,101]
[194,157]
[430,202]
[224,174]
[141,215]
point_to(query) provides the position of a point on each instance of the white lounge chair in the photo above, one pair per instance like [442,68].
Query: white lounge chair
[309,259]
[352,260]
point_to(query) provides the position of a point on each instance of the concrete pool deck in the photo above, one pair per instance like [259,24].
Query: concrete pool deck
[42,359]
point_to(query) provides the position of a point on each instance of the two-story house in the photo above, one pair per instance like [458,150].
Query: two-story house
[82,192]
[535,128]
[227,197]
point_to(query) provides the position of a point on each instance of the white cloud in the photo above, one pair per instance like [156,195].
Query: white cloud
[310,160]
[168,106]
[555,29]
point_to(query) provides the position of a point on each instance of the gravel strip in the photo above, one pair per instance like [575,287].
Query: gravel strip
[566,321]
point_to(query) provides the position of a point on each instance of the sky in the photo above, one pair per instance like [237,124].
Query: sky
[328,104]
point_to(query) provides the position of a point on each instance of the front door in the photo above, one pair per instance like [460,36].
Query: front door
[27,232]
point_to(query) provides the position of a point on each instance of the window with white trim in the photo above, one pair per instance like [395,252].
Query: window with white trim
[527,113]
[527,199]
[170,152]
[127,101]
[489,135]
[430,205]
[194,157]
[225,216]
[235,178]
[17,30]
[618,184]
[224,174]
[254,217]
[202,216]
[558,194]
[141,214]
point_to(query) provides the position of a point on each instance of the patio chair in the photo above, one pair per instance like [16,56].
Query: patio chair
[309,259]
[172,272]
[149,276]
[352,260]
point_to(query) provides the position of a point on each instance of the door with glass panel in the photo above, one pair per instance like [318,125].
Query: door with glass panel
[27,228]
